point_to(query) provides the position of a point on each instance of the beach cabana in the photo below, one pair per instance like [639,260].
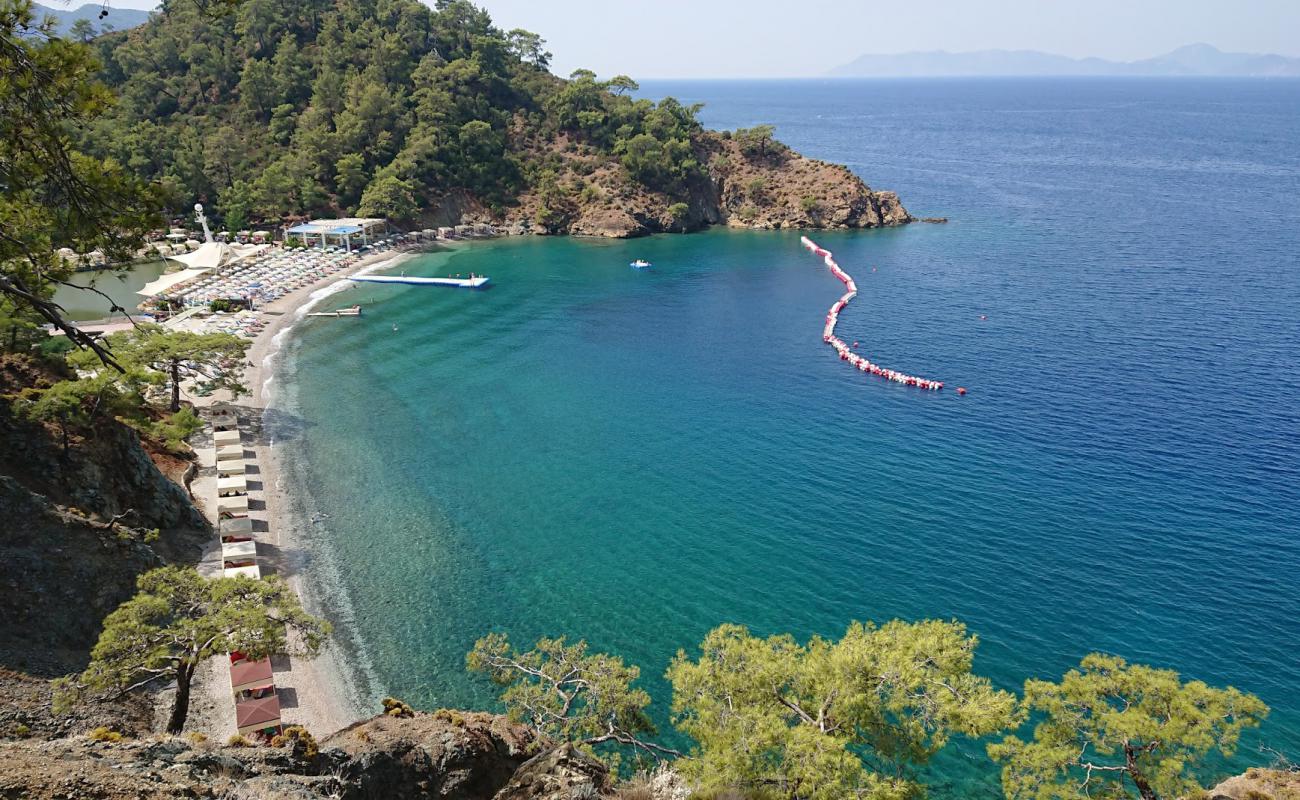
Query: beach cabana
[230,452]
[235,484]
[341,230]
[235,529]
[223,438]
[251,680]
[259,717]
[226,469]
[247,571]
[233,506]
[236,551]
[224,419]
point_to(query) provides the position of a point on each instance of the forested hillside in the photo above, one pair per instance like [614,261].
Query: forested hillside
[285,108]
[295,106]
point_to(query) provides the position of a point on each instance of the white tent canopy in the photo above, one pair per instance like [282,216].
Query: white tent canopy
[211,255]
[160,286]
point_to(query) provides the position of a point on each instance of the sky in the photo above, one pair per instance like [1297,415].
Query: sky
[766,38]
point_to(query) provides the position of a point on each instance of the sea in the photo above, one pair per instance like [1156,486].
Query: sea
[632,457]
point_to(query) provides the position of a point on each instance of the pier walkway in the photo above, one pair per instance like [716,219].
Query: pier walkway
[477,282]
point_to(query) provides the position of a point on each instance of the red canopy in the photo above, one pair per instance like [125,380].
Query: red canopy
[261,713]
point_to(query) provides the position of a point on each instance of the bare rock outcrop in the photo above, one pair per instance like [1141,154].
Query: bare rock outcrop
[446,755]
[1259,784]
[561,773]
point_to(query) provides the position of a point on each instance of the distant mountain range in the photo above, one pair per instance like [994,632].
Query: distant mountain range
[1194,59]
[119,19]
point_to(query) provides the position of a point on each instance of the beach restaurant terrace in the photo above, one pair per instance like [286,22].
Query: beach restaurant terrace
[340,230]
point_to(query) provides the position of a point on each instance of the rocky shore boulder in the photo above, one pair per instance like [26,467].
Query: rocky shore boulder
[560,773]
[450,755]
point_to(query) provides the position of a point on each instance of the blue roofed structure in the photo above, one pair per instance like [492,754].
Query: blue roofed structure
[340,230]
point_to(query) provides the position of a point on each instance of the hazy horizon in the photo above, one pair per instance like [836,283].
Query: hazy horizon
[731,39]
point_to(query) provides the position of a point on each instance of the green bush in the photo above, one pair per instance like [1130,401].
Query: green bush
[178,427]
[55,346]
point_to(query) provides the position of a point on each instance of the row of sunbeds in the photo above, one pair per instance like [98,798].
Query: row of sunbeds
[252,681]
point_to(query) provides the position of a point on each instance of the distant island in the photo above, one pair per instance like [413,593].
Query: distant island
[116,19]
[1192,60]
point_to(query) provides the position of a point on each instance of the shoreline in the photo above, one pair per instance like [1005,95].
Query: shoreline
[325,693]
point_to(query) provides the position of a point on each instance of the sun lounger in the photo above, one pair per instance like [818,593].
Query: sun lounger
[231,452]
[233,506]
[235,484]
[250,571]
[227,468]
[234,551]
[223,438]
[235,528]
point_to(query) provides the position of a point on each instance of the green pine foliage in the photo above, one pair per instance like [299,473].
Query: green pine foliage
[279,109]
[1111,729]
[179,619]
[856,718]
[831,719]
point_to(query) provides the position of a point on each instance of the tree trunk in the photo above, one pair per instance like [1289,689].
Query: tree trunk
[1139,780]
[176,385]
[181,707]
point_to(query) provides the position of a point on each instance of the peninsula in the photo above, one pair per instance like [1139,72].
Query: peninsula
[431,118]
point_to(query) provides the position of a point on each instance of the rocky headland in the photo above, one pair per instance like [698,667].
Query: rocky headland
[780,189]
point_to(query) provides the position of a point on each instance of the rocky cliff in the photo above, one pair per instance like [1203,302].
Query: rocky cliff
[446,755]
[76,528]
[592,195]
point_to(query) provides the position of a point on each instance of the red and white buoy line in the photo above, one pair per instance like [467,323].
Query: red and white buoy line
[833,316]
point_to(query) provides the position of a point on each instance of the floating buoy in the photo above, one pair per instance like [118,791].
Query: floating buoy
[832,317]
[961,390]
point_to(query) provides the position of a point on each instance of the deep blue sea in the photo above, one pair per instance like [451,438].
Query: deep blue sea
[635,457]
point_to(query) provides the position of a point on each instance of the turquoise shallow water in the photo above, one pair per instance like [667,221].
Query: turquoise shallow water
[634,457]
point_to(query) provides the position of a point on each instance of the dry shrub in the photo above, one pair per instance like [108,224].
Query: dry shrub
[105,734]
[300,739]
[396,708]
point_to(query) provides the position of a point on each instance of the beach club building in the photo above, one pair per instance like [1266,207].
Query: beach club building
[339,232]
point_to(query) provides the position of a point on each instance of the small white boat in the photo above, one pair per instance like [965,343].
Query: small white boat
[640,263]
